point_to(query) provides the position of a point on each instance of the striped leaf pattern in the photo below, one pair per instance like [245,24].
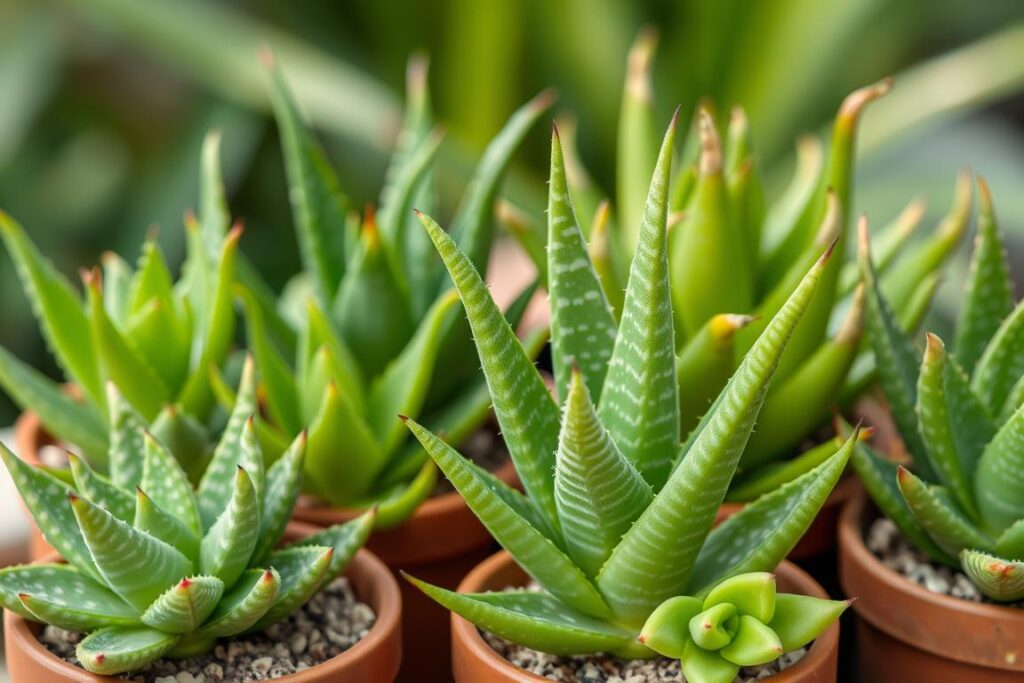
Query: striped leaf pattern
[582,325]
[639,401]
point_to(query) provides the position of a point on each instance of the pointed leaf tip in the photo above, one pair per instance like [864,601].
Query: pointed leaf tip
[855,102]
[710,145]
[266,55]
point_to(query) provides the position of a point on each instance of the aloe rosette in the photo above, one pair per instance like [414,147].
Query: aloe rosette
[735,257]
[153,337]
[157,568]
[616,518]
[371,329]
[960,414]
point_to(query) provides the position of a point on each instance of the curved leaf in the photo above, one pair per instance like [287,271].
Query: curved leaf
[116,649]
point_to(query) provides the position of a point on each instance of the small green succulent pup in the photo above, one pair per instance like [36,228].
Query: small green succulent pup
[735,255]
[617,515]
[961,415]
[152,337]
[370,328]
[156,568]
[743,621]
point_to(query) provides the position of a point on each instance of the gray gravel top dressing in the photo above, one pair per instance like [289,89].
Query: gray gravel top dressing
[896,552]
[330,623]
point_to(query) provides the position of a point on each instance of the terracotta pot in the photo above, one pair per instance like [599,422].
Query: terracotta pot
[474,661]
[820,537]
[907,633]
[440,543]
[374,659]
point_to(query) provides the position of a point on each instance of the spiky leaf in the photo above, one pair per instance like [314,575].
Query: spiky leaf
[302,572]
[1001,580]
[244,604]
[167,485]
[116,649]
[226,548]
[185,605]
[60,591]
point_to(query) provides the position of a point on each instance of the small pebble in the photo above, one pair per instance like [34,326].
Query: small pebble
[330,623]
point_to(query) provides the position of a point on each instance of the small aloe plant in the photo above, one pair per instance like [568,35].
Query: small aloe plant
[734,259]
[152,337]
[617,516]
[375,330]
[961,416]
[156,568]
[743,621]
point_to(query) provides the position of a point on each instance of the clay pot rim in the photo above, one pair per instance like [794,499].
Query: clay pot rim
[851,539]
[388,610]
[466,633]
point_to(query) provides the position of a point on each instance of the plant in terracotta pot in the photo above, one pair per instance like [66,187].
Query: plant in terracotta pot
[374,332]
[157,568]
[960,420]
[735,257]
[615,526]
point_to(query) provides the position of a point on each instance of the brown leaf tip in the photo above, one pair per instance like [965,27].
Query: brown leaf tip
[710,145]
[403,418]
[266,55]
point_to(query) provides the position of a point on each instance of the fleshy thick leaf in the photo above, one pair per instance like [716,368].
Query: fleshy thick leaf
[167,485]
[127,440]
[655,558]
[639,405]
[1001,580]
[135,565]
[531,619]
[116,649]
[666,629]
[1002,363]
[52,592]
[525,411]
[799,619]
[760,536]
[946,525]
[185,605]
[598,492]
[637,139]
[244,604]
[346,540]
[100,490]
[534,551]
[159,523]
[988,292]
[284,480]
[226,548]
[302,572]
[582,324]
[1000,476]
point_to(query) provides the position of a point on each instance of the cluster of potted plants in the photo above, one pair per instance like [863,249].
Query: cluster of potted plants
[203,496]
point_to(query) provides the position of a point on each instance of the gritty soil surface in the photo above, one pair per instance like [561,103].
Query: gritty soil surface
[608,669]
[330,623]
[896,552]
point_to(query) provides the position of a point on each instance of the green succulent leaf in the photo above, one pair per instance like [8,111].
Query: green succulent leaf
[702,666]
[753,594]
[100,490]
[665,541]
[214,218]
[598,492]
[799,619]
[135,565]
[705,364]
[45,496]
[302,571]
[759,536]
[117,276]
[185,605]
[1011,542]
[525,410]
[402,388]
[754,643]
[281,391]
[318,206]
[158,523]
[77,423]
[346,539]
[214,489]
[243,604]
[167,485]
[582,324]
[229,544]
[116,649]
[184,437]
[947,525]
[758,481]
[58,309]
[1000,476]
[1001,580]
[666,629]
[714,627]
[639,402]
[533,549]
[638,137]
[989,290]
[1002,363]
[397,506]
[535,620]
[52,592]
[127,440]
[284,480]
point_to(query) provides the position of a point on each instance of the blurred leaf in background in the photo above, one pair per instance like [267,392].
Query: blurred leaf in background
[105,102]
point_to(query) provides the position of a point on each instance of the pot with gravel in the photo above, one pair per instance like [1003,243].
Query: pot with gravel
[955,525]
[619,540]
[163,579]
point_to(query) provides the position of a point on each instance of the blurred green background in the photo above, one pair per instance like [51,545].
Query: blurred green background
[103,103]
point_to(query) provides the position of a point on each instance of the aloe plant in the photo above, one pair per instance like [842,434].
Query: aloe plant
[378,331]
[152,337]
[156,568]
[616,518]
[960,415]
[734,258]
